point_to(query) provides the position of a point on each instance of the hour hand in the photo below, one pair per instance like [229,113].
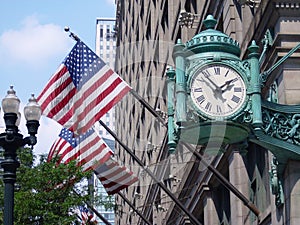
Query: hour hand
[227,88]
[226,83]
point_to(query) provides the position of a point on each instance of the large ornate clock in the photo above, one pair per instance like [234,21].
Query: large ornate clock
[213,89]
[217,91]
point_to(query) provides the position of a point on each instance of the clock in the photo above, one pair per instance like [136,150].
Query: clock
[217,91]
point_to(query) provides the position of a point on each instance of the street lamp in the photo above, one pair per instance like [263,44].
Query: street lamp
[11,140]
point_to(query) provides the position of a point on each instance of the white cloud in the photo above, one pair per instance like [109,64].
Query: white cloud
[33,43]
[112,2]
[47,133]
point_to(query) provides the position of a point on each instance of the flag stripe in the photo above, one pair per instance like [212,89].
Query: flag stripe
[92,153]
[83,96]
[57,76]
[82,91]
[59,145]
[113,177]
[107,106]
[85,99]
[53,90]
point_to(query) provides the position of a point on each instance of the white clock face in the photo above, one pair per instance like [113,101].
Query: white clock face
[218,90]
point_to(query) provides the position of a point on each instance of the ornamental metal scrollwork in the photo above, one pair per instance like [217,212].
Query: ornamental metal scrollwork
[283,126]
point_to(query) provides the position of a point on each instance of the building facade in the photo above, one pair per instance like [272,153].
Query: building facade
[105,49]
[146,34]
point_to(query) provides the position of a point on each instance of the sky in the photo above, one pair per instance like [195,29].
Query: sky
[33,44]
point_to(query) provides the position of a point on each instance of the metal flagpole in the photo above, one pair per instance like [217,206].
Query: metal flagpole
[224,181]
[94,210]
[160,183]
[218,175]
[134,209]
[146,104]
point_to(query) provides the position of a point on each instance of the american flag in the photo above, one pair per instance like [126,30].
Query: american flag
[114,177]
[82,90]
[92,153]
[86,216]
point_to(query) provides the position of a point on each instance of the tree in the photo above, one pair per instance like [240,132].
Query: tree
[44,192]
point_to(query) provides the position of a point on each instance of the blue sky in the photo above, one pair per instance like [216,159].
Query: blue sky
[33,43]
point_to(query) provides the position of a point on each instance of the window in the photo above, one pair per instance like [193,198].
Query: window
[165,19]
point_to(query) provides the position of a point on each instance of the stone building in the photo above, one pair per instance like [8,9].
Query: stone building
[146,34]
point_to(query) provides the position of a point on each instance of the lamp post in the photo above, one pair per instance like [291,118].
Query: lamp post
[11,140]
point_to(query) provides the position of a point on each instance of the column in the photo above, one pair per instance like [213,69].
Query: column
[239,178]
[292,192]
[210,213]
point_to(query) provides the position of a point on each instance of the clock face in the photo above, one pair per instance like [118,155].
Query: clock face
[218,90]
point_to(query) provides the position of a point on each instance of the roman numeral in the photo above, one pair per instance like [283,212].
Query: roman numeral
[198,90]
[201,99]
[226,73]
[205,73]
[237,89]
[234,80]
[208,106]
[235,99]
[229,106]
[219,109]
[217,70]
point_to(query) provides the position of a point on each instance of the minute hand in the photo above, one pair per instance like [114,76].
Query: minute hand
[213,83]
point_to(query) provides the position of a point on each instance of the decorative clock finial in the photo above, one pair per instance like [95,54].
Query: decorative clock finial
[210,22]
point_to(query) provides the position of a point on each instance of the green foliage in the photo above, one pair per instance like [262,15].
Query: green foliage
[45,191]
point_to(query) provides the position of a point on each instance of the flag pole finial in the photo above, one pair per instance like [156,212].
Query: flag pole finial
[71,34]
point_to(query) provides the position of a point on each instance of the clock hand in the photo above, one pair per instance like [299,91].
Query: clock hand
[226,83]
[217,92]
[227,88]
[214,84]
[208,84]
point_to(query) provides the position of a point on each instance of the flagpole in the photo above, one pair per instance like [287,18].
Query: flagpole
[93,209]
[71,34]
[218,175]
[160,183]
[134,209]
[224,181]
[150,109]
